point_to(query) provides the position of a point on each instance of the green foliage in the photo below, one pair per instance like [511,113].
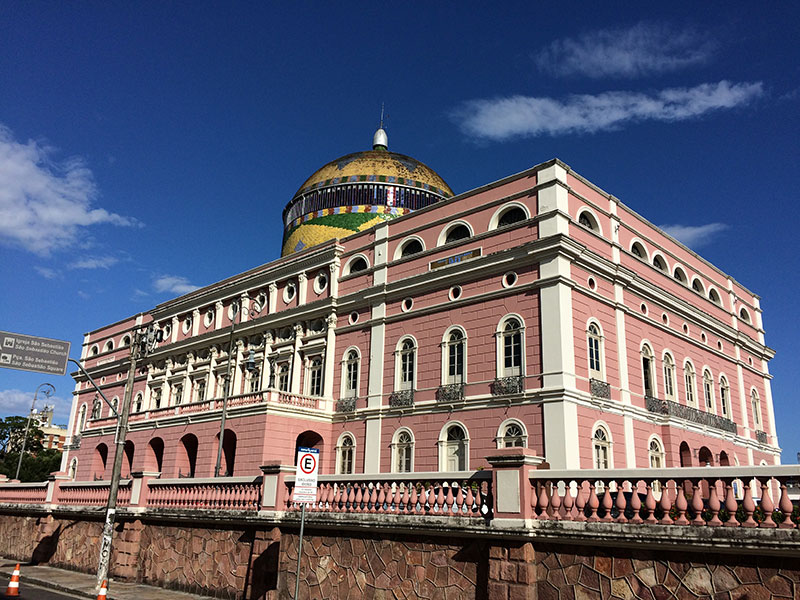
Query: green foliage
[35,467]
[12,430]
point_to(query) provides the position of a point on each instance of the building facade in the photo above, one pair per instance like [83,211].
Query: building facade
[406,329]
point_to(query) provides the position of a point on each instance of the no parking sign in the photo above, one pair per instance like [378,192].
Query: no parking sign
[305,481]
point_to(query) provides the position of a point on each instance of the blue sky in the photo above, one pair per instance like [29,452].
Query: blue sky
[148,148]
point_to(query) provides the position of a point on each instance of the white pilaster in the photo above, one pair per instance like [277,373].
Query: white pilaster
[297,362]
[302,288]
[330,358]
[273,297]
[195,322]
[553,196]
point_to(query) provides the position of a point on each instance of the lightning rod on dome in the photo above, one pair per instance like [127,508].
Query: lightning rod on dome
[380,141]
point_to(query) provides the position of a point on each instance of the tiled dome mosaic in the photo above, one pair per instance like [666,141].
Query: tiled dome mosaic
[356,192]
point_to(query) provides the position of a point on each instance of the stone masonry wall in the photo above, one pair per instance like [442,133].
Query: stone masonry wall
[382,566]
[19,536]
[586,573]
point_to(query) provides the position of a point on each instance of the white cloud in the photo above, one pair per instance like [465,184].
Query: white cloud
[640,50]
[47,273]
[173,284]
[525,116]
[18,402]
[94,262]
[45,205]
[694,236]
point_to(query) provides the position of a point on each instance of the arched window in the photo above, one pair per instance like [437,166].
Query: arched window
[200,389]
[697,286]
[744,315]
[648,374]
[659,264]
[350,374]
[714,297]
[411,247]
[99,461]
[725,397]
[82,419]
[455,351]
[756,405]
[97,406]
[685,454]
[638,251]
[188,459]
[137,403]
[656,453]
[345,455]
[403,450]
[126,341]
[129,450]
[177,393]
[454,446]
[155,397]
[73,469]
[154,460]
[254,380]
[283,377]
[406,365]
[511,348]
[595,342]
[228,453]
[109,346]
[359,263]
[602,448]
[512,435]
[314,376]
[708,390]
[587,220]
[94,350]
[688,378]
[457,232]
[669,377]
[680,275]
[511,215]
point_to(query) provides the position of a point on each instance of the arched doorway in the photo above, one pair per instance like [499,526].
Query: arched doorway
[705,458]
[155,455]
[127,465]
[228,453]
[724,461]
[187,461]
[99,461]
[686,455]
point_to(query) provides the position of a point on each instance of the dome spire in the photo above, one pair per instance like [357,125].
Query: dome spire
[380,141]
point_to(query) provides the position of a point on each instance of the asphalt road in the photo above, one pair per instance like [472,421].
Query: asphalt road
[32,592]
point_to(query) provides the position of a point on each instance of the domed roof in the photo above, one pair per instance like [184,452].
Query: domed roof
[356,192]
[377,165]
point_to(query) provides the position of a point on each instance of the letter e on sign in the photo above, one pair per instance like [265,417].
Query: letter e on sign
[305,481]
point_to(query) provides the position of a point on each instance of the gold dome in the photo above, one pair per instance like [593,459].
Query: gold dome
[377,165]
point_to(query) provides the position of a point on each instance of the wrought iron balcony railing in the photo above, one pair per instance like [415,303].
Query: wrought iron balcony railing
[346,404]
[600,389]
[401,398]
[452,392]
[503,386]
[668,407]
[761,436]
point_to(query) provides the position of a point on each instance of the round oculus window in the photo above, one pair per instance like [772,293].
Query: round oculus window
[320,282]
[509,279]
[407,305]
[209,317]
[455,292]
[592,283]
[289,292]
[353,318]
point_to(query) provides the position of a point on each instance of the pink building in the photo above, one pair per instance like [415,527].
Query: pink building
[407,329]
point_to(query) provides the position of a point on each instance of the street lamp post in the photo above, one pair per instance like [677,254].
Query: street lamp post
[236,311]
[48,391]
[144,342]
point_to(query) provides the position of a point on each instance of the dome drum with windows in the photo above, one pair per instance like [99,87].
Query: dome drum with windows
[356,192]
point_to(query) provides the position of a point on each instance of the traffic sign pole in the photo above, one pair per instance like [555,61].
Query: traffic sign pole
[305,491]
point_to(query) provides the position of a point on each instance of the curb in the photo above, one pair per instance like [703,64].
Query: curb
[49,585]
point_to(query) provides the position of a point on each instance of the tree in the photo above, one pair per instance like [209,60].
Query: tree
[12,430]
[35,467]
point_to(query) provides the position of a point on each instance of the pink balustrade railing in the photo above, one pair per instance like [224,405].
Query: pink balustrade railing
[294,399]
[92,493]
[706,497]
[457,494]
[219,493]
[23,493]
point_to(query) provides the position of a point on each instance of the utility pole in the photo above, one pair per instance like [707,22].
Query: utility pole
[144,342]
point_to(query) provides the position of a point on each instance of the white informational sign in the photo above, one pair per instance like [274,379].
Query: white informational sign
[305,482]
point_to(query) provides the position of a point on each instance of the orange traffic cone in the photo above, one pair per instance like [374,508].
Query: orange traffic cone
[101,595]
[13,585]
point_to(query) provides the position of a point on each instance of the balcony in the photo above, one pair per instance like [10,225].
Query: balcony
[401,398]
[503,386]
[346,405]
[452,392]
[761,436]
[673,409]
[600,389]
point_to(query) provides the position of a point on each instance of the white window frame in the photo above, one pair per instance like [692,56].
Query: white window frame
[755,406]
[398,447]
[595,344]
[670,382]
[349,264]
[341,450]
[604,446]
[690,383]
[345,389]
[314,375]
[398,252]
[725,397]
[648,375]
[450,227]
[494,222]
[592,218]
[445,444]
[447,345]
[401,383]
[656,455]
[645,255]
[501,437]
[501,335]
[709,402]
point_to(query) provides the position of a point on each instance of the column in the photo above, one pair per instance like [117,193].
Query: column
[273,297]
[302,288]
[334,268]
[330,359]
[297,364]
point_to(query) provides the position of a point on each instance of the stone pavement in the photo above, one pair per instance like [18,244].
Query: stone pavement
[82,584]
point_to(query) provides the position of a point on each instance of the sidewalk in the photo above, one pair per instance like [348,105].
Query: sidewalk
[82,584]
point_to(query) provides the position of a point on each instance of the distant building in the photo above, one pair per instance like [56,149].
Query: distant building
[409,329]
[54,435]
